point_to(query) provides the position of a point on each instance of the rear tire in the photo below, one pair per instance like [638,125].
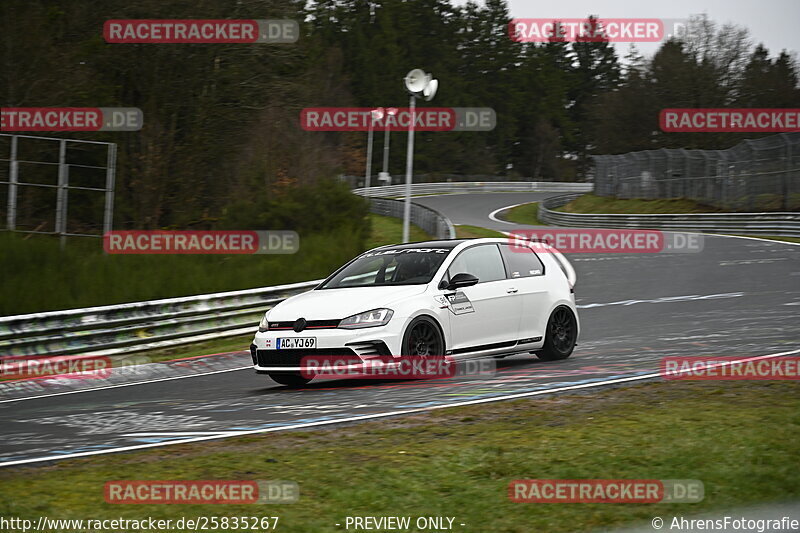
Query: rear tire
[561,336]
[290,379]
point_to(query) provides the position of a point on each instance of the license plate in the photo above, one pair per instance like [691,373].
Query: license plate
[294,343]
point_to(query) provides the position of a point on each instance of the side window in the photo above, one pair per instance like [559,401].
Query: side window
[521,261]
[482,261]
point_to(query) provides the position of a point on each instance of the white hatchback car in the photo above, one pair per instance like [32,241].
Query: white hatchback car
[460,298]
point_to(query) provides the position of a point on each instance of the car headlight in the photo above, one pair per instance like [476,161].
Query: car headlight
[263,325]
[369,319]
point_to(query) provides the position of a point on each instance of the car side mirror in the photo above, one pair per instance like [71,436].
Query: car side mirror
[461,280]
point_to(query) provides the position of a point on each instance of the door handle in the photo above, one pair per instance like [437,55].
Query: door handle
[512,290]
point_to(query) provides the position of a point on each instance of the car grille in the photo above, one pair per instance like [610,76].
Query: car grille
[311,324]
[294,357]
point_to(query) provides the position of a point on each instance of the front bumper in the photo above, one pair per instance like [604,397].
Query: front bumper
[351,345]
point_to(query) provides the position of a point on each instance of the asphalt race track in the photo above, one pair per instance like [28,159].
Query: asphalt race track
[736,297]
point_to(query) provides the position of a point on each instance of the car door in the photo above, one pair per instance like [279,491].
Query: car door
[486,313]
[526,270]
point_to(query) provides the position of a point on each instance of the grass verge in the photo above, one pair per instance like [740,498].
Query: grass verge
[389,230]
[465,231]
[524,214]
[738,438]
[229,344]
[38,276]
[590,203]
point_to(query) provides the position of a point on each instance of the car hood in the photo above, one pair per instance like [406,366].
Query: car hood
[328,304]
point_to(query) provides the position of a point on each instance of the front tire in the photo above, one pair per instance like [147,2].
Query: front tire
[290,379]
[561,336]
[423,338]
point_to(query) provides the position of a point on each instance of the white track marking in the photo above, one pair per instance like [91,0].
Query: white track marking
[666,299]
[493,214]
[773,241]
[374,416]
[180,434]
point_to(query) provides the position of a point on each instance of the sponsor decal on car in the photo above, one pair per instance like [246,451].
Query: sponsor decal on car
[407,251]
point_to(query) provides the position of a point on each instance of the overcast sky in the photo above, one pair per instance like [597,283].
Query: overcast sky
[772,22]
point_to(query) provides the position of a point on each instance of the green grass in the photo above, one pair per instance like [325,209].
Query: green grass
[38,276]
[590,203]
[239,343]
[738,438]
[524,214]
[465,231]
[389,230]
[226,345]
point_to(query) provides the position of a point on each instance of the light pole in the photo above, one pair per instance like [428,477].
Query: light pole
[418,83]
[374,114]
[390,112]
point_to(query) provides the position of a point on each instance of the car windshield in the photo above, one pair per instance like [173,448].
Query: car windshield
[392,266]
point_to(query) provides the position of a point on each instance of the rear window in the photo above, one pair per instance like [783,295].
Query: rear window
[521,261]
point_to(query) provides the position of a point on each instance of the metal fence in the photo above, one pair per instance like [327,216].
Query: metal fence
[757,175]
[52,185]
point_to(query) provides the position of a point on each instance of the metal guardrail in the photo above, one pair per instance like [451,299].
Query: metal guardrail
[430,220]
[781,224]
[172,320]
[474,186]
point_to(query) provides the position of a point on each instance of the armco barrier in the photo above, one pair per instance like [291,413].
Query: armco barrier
[782,224]
[475,186]
[169,321]
[426,218]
